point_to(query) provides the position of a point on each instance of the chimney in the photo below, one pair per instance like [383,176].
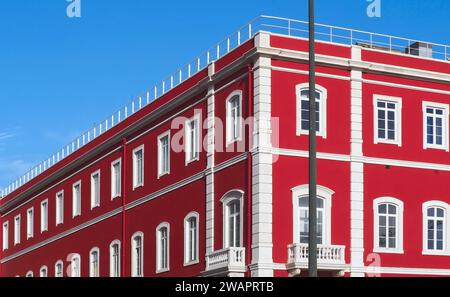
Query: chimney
[420,49]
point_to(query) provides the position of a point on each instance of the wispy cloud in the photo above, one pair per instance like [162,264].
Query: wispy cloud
[6,135]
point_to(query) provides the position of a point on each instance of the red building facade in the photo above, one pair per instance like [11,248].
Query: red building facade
[211,178]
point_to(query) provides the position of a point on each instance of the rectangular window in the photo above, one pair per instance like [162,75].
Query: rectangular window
[5,235]
[303,118]
[192,139]
[95,189]
[59,208]
[162,249]
[115,260]
[234,117]
[435,125]
[30,223]
[164,154]
[76,199]
[191,240]
[44,216]
[387,119]
[17,230]
[116,178]
[138,167]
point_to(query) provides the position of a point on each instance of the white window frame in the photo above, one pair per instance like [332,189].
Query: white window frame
[94,202]
[162,172]
[44,219]
[30,223]
[59,262]
[230,125]
[134,255]
[399,226]
[160,269]
[229,197]
[91,262]
[76,202]
[115,193]
[323,110]
[72,266]
[188,140]
[136,183]
[322,192]
[17,230]
[187,248]
[59,208]
[445,125]
[43,271]
[398,119]
[111,259]
[5,231]
[29,274]
[446,234]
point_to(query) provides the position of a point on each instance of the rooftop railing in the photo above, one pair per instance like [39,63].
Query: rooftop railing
[276,25]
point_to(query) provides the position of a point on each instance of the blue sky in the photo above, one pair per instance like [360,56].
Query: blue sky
[59,76]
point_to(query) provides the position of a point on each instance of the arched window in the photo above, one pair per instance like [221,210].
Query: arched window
[59,269]
[435,227]
[94,262]
[29,274]
[191,238]
[302,91]
[114,259]
[43,272]
[232,216]
[137,254]
[388,225]
[162,247]
[300,201]
[75,266]
[234,117]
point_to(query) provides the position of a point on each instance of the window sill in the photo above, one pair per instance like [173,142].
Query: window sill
[191,263]
[306,133]
[391,142]
[436,253]
[388,251]
[162,270]
[115,197]
[192,161]
[138,186]
[162,174]
[95,206]
[435,147]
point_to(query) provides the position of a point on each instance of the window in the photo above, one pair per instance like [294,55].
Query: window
[5,235]
[43,272]
[436,228]
[435,125]
[138,167]
[29,274]
[232,215]
[60,208]
[114,259]
[300,196]
[191,238]
[95,189]
[76,199]
[162,247]
[30,223]
[234,117]
[387,119]
[116,178]
[44,216]
[192,143]
[164,154]
[17,230]
[137,255]
[59,269]
[303,110]
[75,266]
[388,225]
[94,260]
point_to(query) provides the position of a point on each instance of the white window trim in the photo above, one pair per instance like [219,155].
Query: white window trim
[30,227]
[133,254]
[322,192]
[74,214]
[74,256]
[43,268]
[196,117]
[17,230]
[57,208]
[323,102]
[93,203]
[229,124]
[29,274]
[446,207]
[445,128]
[91,269]
[399,228]
[5,235]
[135,173]
[42,217]
[119,193]
[195,215]
[62,268]
[160,155]
[158,247]
[226,199]
[111,267]
[398,119]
